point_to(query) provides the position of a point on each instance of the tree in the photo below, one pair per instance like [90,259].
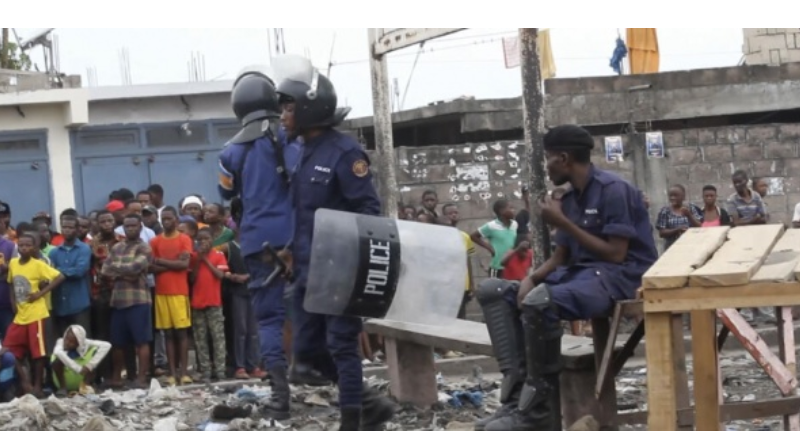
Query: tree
[11,57]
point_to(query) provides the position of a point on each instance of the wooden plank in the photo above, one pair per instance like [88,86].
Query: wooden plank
[711,298]
[706,371]
[787,353]
[691,251]
[473,338]
[730,412]
[739,258]
[661,397]
[682,393]
[784,379]
[782,263]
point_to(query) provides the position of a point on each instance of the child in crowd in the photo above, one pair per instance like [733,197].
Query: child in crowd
[498,236]
[518,261]
[246,346]
[31,280]
[208,268]
[74,360]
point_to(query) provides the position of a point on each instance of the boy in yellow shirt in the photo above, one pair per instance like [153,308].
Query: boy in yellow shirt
[31,279]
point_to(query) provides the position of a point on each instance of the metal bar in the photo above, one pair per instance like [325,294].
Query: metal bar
[785,380]
[404,37]
[382,120]
[533,110]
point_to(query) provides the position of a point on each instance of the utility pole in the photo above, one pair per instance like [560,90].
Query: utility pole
[533,110]
[4,50]
[382,124]
[382,42]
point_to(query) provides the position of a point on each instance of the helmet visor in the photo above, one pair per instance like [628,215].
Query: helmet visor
[290,67]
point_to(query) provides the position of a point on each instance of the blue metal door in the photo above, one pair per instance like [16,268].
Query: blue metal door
[183,174]
[26,189]
[102,175]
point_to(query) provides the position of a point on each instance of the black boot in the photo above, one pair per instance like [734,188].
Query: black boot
[508,341]
[279,403]
[302,374]
[351,419]
[539,403]
[376,410]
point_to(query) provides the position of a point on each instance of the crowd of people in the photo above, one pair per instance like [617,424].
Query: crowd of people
[95,280]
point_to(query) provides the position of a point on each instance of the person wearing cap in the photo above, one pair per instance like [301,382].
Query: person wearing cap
[116,208]
[133,206]
[604,245]
[150,219]
[192,205]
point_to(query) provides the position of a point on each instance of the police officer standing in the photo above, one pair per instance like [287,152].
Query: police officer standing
[253,173]
[604,245]
[333,173]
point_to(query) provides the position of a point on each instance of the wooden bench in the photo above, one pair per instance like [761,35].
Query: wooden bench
[412,371]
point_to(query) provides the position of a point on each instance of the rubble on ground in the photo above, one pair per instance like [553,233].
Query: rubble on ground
[462,400]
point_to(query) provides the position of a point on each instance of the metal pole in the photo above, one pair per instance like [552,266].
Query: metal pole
[533,109]
[382,123]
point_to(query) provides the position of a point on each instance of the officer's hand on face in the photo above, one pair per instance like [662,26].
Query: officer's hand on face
[550,211]
[524,289]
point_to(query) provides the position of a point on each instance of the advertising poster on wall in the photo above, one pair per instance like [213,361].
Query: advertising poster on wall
[655,145]
[614,151]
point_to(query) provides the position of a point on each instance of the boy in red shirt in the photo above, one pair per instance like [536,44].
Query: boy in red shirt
[517,261]
[208,268]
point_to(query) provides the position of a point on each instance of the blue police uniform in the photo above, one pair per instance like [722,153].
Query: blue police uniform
[588,286]
[268,216]
[334,174]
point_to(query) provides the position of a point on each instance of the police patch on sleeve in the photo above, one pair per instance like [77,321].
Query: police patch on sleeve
[360,168]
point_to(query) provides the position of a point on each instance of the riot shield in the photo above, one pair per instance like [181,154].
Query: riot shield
[377,267]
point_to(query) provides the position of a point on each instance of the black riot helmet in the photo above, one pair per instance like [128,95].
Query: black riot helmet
[254,98]
[315,101]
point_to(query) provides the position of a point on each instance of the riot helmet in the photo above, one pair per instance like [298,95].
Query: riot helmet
[254,102]
[312,93]
[254,98]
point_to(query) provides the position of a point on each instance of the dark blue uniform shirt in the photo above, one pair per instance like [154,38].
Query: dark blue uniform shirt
[334,174]
[268,214]
[610,206]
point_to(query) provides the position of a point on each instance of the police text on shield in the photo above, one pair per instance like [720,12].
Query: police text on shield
[378,275]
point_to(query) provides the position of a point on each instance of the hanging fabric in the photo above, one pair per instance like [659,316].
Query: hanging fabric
[547,62]
[620,52]
[643,55]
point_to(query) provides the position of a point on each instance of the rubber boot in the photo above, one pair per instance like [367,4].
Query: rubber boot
[376,410]
[279,405]
[351,419]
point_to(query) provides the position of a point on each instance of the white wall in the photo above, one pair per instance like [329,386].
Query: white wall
[160,109]
[55,111]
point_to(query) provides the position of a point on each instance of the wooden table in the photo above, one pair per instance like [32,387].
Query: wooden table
[711,272]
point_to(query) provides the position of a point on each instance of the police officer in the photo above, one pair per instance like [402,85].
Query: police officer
[333,173]
[253,173]
[604,245]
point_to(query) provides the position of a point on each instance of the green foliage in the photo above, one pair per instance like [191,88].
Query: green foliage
[17,59]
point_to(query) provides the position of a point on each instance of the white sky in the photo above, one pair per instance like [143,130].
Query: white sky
[466,63]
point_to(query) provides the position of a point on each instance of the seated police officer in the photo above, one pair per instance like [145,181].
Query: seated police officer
[604,244]
[253,174]
[333,174]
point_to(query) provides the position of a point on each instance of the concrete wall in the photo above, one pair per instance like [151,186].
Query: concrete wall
[472,176]
[697,157]
[160,109]
[673,96]
[771,46]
